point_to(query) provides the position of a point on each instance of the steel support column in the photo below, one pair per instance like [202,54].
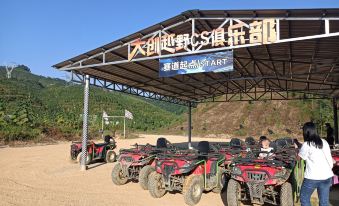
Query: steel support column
[189,125]
[124,127]
[85,125]
[335,118]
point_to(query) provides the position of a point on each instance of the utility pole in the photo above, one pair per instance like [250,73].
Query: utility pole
[84,154]
[124,127]
[189,126]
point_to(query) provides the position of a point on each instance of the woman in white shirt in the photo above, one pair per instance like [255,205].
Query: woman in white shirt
[318,174]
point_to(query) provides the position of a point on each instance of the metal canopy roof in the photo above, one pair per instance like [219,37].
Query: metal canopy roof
[304,60]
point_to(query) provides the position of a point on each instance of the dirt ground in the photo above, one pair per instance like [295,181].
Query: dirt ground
[43,175]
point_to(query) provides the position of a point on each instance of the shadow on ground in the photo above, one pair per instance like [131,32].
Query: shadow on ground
[95,164]
[334,195]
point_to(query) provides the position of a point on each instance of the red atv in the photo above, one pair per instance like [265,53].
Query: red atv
[137,163]
[234,148]
[267,180]
[335,156]
[103,151]
[188,171]
[251,143]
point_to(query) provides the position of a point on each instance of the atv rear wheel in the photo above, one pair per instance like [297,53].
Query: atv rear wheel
[286,195]
[192,189]
[88,158]
[110,156]
[233,193]
[155,185]
[118,177]
[143,176]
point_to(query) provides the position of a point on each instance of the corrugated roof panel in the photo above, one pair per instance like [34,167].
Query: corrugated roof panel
[291,60]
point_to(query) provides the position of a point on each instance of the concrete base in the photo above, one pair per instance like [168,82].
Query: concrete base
[83,167]
[190,146]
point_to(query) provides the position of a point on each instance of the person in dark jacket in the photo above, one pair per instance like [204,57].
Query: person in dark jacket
[330,134]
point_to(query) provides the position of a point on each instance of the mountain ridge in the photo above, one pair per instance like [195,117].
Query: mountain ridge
[50,106]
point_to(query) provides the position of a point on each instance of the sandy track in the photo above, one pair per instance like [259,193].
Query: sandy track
[43,175]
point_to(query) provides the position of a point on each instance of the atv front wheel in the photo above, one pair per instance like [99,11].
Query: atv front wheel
[88,158]
[192,189]
[143,176]
[155,185]
[286,195]
[221,182]
[73,159]
[110,156]
[233,193]
[118,177]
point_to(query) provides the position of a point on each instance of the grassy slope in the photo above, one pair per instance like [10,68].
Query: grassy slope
[271,118]
[57,105]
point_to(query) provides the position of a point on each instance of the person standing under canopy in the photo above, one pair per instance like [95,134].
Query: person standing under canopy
[330,134]
[319,163]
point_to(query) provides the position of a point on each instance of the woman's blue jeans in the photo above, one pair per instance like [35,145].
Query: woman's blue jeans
[323,189]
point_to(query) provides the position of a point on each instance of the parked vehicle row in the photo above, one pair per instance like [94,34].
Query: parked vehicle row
[248,173]
[233,166]
[335,155]
[103,151]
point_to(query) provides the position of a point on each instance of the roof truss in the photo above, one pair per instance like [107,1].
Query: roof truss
[303,60]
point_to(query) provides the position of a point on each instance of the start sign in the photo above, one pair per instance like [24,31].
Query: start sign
[236,33]
[210,62]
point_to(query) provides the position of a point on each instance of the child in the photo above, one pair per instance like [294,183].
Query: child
[262,138]
[265,147]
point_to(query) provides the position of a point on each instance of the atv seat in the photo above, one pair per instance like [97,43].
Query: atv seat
[250,141]
[274,146]
[289,141]
[101,144]
[161,143]
[203,147]
[283,143]
[235,142]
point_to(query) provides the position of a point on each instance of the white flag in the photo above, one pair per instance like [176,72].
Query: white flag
[128,114]
[105,116]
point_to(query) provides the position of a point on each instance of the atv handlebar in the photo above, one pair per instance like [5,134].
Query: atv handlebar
[282,158]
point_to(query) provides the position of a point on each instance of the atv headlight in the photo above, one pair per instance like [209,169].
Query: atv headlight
[236,171]
[157,163]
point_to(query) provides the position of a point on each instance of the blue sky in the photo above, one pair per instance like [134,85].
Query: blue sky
[42,33]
